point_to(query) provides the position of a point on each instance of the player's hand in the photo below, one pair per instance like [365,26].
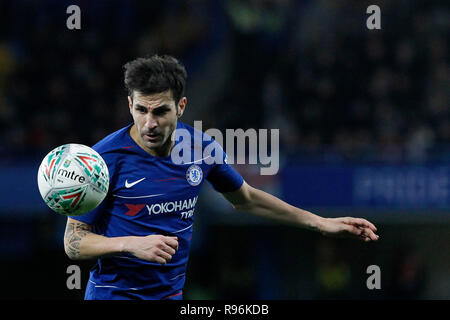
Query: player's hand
[154,248]
[348,227]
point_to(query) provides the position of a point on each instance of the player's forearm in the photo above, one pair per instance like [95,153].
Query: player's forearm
[81,243]
[263,204]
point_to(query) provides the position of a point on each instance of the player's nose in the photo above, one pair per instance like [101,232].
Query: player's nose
[150,122]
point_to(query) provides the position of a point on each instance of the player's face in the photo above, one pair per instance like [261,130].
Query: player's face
[155,119]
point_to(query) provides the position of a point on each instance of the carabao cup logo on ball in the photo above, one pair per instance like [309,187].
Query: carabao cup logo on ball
[73,179]
[194,175]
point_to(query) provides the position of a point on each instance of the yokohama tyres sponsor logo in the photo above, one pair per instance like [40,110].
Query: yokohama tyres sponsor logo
[184,207]
[172,206]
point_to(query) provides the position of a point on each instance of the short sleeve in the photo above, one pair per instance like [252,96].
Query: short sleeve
[93,216]
[223,177]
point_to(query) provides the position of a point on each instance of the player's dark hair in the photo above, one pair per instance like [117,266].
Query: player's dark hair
[155,74]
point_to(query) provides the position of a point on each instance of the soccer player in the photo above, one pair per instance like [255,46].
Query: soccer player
[141,232]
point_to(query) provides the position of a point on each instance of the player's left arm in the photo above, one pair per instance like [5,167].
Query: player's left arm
[259,203]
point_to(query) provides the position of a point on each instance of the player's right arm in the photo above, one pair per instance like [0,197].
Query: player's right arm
[80,242]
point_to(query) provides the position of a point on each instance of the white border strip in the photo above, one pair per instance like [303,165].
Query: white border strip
[183,229]
[196,160]
[138,197]
[99,286]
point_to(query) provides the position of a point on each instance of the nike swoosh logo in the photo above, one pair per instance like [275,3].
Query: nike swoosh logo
[129,185]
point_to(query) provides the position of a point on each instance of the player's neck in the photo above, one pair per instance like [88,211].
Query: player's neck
[163,151]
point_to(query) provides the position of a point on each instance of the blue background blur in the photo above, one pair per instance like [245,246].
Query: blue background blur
[364,131]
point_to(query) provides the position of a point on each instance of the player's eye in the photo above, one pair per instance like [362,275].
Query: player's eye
[141,110]
[161,111]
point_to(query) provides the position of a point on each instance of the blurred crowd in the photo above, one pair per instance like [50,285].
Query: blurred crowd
[339,91]
[336,90]
[59,85]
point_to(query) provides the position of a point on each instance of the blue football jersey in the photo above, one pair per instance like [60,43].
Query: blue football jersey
[151,195]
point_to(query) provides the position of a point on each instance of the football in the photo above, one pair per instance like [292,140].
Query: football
[73,179]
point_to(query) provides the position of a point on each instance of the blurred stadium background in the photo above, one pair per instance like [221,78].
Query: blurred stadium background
[364,131]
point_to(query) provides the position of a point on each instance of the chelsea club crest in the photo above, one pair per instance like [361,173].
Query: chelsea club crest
[194,175]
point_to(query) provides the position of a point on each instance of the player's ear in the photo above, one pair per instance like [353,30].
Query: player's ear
[181,106]
[130,103]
